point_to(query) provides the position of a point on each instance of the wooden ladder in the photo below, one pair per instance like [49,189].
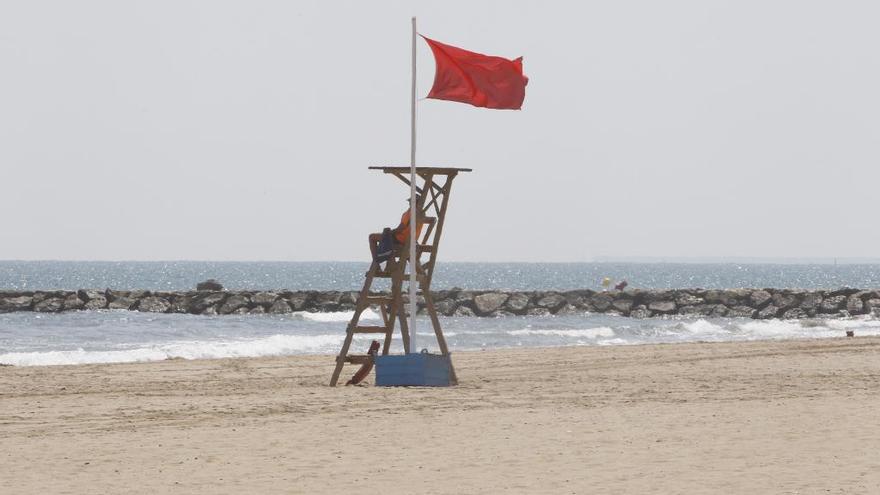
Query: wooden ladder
[390,308]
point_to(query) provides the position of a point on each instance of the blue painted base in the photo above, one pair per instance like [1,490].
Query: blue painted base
[413,370]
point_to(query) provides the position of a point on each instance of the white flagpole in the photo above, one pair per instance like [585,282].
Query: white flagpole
[413,261]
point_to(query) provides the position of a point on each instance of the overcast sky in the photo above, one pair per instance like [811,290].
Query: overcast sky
[218,130]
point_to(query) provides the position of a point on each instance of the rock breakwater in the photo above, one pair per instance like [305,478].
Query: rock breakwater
[745,303]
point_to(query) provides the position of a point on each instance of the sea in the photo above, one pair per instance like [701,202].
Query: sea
[28,339]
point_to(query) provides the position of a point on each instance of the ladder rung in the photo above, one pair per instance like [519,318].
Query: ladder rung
[419,278]
[374,329]
[379,299]
[357,358]
[405,276]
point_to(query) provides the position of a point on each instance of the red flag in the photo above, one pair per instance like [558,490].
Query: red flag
[477,79]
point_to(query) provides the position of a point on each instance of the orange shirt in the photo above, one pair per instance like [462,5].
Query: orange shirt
[403,229]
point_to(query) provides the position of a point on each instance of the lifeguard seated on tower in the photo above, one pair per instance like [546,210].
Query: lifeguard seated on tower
[384,245]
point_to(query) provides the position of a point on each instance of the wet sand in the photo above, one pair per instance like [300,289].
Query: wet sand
[757,417]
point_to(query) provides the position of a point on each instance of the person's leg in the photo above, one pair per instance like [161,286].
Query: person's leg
[374,243]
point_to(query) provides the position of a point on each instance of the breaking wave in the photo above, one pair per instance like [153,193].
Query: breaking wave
[29,339]
[338,316]
[275,345]
[585,333]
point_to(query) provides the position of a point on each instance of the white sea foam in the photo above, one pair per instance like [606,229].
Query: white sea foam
[584,333]
[701,327]
[868,325]
[776,329]
[781,329]
[276,345]
[343,316]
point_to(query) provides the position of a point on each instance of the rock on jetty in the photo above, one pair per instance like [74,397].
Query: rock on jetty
[744,303]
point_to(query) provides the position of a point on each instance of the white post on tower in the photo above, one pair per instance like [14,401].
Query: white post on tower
[413,260]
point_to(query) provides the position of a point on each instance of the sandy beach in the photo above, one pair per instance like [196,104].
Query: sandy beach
[758,417]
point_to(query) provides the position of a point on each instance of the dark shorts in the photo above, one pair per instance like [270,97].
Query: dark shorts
[386,246]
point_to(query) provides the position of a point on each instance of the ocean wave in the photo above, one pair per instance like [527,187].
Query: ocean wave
[776,328]
[79,338]
[781,329]
[863,323]
[275,345]
[701,327]
[584,333]
[338,316]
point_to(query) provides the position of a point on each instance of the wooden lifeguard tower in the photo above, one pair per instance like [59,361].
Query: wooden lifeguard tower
[433,186]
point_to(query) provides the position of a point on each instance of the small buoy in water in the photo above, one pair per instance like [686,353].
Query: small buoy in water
[850,333]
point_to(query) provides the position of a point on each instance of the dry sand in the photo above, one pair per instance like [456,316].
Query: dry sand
[759,417]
